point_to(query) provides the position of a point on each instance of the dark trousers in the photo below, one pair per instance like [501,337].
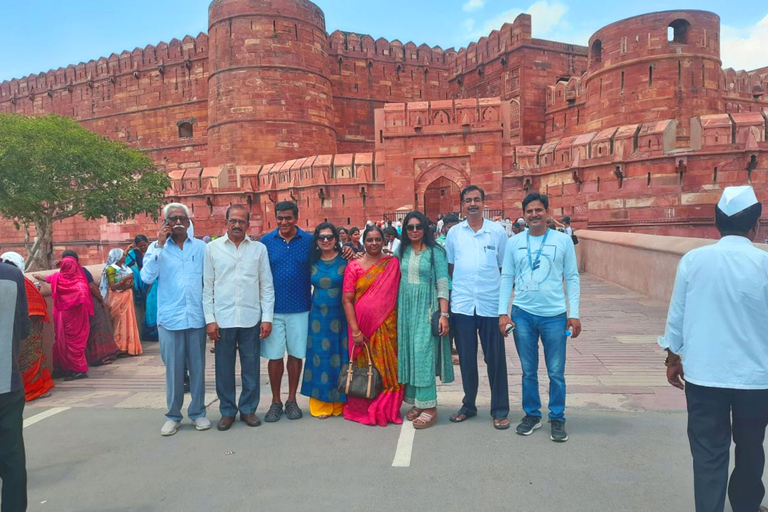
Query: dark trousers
[714,414]
[467,329]
[247,342]
[13,460]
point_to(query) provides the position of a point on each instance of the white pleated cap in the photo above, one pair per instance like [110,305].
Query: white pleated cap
[736,199]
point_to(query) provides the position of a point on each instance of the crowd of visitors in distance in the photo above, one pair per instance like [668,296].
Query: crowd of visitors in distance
[368,320]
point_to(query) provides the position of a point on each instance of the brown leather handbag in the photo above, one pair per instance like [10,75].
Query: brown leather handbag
[361,382]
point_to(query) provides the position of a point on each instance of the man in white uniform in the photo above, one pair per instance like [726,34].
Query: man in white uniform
[716,332]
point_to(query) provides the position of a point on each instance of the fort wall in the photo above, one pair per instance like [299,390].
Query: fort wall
[638,131]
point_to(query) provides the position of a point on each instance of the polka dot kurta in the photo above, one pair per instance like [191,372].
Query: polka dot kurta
[327,340]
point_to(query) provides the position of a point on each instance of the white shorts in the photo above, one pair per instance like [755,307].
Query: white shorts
[289,333]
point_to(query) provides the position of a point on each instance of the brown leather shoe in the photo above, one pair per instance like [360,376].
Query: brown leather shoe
[250,419]
[225,422]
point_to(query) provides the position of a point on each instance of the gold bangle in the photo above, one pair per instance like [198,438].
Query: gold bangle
[356,334]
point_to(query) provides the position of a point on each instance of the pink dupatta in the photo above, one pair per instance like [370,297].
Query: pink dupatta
[72,308]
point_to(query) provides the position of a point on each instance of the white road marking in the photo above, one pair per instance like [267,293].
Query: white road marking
[45,414]
[404,446]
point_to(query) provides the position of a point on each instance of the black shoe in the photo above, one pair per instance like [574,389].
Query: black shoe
[76,376]
[274,413]
[292,410]
[528,425]
[559,435]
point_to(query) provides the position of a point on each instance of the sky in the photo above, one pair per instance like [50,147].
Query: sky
[38,35]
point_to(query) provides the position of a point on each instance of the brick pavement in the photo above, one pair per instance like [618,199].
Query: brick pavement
[614,365]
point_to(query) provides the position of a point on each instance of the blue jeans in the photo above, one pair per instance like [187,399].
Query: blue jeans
[246,341]
[178,348]
[551,329]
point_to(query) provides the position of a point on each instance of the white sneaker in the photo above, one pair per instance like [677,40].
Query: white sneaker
[170,428]
[202,423]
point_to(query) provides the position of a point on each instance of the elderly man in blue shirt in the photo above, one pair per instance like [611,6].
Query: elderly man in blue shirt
[176,261]
[716,331]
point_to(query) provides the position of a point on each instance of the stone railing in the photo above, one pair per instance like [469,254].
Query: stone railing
[643,263]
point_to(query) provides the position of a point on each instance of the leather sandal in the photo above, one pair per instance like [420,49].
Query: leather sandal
[425,420]
[501,424]
[461,416]
[412,413]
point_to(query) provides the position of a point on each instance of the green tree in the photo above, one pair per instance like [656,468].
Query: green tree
[51,168]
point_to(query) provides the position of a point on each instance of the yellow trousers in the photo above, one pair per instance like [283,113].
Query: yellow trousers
[319,408]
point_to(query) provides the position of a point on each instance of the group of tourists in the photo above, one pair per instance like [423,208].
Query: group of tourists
[336,310]
[93,325]
[375,300]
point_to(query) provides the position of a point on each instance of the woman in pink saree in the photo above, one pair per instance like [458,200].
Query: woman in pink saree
[370,305]
[72,309]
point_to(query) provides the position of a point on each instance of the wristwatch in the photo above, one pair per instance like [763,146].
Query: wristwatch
[445,315]
[675,362]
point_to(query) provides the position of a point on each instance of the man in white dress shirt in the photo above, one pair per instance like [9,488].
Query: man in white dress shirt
[475,251]
[238,302]
[717,331]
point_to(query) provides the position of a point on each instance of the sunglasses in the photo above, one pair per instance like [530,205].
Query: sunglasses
[414,227]
[178,218]
[325,238]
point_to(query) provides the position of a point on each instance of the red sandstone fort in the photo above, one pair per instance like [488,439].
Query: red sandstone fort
[638,131]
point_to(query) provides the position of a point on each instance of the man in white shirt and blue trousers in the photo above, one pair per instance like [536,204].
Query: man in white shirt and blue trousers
[475,250]
[717,340]
[238,301]
[176,262]
[535,264]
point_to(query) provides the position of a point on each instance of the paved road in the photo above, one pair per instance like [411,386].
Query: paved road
[92,459]
[100,448]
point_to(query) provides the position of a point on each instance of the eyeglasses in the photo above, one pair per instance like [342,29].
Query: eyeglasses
[415,227]
[178,218]
[470,200]
[237,222]
[325,238]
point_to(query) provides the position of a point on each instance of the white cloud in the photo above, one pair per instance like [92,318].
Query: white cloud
[473,5]
[546,17]
[469,24]
[745,48]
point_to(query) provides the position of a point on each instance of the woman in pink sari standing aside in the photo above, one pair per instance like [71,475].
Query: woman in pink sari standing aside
[370,305]
[72,309]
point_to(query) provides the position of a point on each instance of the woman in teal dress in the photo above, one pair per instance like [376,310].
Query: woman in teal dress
[327,342]
[422,356]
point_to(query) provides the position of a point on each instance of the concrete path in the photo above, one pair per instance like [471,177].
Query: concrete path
[94,445]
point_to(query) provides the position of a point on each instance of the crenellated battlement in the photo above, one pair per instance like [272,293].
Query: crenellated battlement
[353,45]
[149,58]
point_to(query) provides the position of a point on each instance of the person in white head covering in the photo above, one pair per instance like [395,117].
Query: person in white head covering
[117,287]
[716,340]
[15,258]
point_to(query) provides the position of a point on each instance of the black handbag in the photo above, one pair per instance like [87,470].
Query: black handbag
[360,382]
[575,239]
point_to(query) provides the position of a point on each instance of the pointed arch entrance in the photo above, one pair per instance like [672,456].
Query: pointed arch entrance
[441,196]
[439,184]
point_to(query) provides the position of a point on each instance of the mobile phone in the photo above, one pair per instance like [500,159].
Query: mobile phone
[165,222]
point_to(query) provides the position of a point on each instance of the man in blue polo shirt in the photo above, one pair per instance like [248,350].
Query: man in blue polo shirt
[288,247]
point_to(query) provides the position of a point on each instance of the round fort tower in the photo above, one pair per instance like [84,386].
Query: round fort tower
[663,65]
[269,92]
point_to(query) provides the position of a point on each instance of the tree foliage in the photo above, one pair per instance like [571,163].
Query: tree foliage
[51,168]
